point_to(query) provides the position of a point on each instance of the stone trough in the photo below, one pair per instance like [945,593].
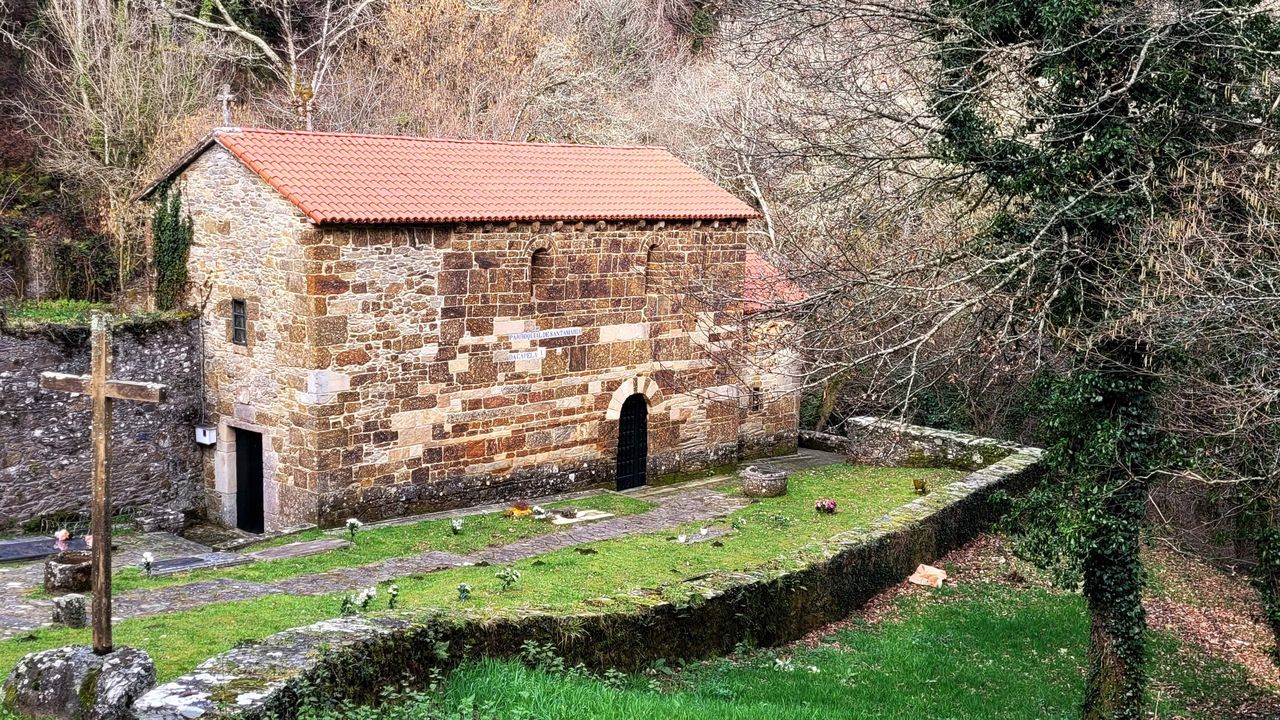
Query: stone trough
[355,658]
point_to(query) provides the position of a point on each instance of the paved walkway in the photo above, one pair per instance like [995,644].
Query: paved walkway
[22,614]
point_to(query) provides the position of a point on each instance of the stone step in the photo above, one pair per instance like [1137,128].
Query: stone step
[300,549]
[658,492]
[198,562]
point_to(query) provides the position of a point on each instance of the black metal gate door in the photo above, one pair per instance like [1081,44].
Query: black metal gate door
[249,510]
[633,442]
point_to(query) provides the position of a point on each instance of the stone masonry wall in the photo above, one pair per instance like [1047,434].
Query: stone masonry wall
[45,457]
[500,375]
[246,246]
[404,368]
[879,441]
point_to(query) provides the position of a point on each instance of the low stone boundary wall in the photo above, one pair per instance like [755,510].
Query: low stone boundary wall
[353,658]
[45,456]
[876,441]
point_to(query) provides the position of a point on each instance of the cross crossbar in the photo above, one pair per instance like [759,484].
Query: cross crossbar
[117,389]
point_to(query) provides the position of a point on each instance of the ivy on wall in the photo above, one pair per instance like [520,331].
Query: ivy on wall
[172,232]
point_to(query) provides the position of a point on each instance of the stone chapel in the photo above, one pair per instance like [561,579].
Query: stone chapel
[395,324]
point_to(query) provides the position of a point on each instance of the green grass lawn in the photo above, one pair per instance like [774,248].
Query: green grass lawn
[985,652]
[768,533]
[390,541]
[76,313]
[52,312]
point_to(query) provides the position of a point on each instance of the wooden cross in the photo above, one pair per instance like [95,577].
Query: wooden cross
[101,389]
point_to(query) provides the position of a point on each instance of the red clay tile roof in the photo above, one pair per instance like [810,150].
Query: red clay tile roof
[766,286]
[342,178]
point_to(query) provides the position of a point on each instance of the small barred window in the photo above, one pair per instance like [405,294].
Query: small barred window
[239,323]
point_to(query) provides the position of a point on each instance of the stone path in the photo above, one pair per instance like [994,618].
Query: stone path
[694,505]
[20,613]
[299,549]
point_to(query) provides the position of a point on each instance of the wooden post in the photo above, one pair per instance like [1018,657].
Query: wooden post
[100,339]
[101,390]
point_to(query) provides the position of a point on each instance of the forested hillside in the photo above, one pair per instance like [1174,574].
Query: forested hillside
[103,95]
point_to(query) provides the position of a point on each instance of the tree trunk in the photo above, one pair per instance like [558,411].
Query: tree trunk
[1113,686]
[1113,581]
[1266,578]
[830,394]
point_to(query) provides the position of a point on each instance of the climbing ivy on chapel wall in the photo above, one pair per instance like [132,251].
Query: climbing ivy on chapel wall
[172,232]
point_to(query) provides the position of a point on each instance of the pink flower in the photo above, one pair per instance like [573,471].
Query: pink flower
[826,506]
[88,541]
[60,539]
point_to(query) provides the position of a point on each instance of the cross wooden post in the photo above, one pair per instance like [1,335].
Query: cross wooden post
[101,389]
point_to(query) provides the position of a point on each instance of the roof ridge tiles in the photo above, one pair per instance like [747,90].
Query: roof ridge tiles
[416,138]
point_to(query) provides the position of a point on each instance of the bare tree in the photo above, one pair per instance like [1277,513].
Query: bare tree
[103,81]
[996,164]
[313,34]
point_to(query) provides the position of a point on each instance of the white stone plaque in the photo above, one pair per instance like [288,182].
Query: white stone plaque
[530,355]
[544,334]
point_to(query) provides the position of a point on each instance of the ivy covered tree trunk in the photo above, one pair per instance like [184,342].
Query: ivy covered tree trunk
[1117,622]
[1266,578]
[1104,444]
[1074,122]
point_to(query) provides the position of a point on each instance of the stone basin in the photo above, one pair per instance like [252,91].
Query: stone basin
[69,571]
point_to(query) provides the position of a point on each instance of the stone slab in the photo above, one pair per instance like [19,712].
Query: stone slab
[300,549]
[35,548]
[198,562]
[582,516]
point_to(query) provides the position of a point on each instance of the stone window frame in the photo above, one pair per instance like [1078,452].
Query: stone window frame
[240,311]
[653,250]
[650,252]
[225,315]
[541,247]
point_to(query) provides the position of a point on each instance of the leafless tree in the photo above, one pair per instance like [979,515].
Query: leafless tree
[313,34]
[103,81]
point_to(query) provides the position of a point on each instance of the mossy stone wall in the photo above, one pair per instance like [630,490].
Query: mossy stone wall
[354,658]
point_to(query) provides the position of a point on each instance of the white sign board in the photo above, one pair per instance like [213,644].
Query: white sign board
[544,334]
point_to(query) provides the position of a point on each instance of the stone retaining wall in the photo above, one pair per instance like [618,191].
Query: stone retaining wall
[876,441]
[45,456]
[353,658]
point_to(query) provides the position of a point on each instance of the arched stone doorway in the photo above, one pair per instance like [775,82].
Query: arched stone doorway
[633,442]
